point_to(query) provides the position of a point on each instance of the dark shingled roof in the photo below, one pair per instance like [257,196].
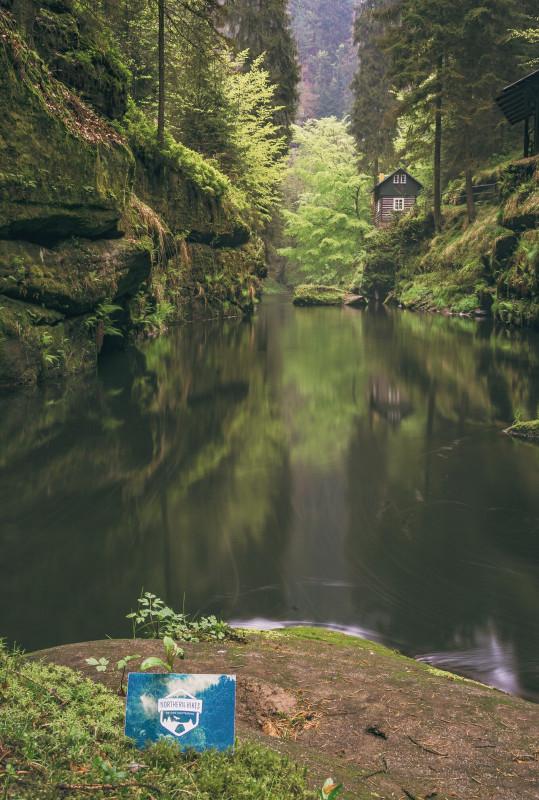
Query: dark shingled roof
[390,176]
[517,101]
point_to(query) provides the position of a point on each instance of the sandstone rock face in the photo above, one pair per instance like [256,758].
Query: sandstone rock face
[92,227]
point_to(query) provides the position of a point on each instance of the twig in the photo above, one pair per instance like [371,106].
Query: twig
[408,794]
[53,693]
[427,749]
[104,787]
[372,774]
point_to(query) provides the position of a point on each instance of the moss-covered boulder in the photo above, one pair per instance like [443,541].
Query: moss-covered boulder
[74,277]
[316,295]
[525,430]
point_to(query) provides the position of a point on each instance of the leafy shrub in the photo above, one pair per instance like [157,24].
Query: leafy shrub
[154,620]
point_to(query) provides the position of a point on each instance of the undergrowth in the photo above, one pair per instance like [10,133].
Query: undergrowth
[154,620]
[62,736]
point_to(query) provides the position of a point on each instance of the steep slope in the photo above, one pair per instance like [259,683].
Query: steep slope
[490,266]
[102,233]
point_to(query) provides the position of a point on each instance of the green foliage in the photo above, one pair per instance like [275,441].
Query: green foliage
[262,29]
[259,164]
[331,204]
[171,650]
[102,665]
[141,133]
[102,319]
[154,620]
[374,106]
[53,722]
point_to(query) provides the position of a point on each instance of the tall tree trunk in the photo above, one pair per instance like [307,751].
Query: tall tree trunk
[470,202]
[376,170]
[438,107]
[161,58]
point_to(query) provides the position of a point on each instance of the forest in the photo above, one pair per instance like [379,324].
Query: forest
[269,312]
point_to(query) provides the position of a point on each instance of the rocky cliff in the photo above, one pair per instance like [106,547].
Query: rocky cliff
[102,233]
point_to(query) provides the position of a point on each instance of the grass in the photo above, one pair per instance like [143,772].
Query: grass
[62,736]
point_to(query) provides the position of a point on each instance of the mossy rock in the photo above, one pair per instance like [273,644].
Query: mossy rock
[74,276]
[37,343]
[525,430]
[316,295]
[63,171]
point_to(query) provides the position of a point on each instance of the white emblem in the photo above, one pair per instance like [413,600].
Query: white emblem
[179,713]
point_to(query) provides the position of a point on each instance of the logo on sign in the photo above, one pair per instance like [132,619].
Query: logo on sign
[179,713]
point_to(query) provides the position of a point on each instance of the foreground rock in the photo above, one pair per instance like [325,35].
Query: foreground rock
[525,430]
[384,725]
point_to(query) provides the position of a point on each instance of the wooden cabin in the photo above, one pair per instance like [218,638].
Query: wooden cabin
[393,195]
[519,102]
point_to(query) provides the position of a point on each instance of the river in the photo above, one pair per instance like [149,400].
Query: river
[327,466]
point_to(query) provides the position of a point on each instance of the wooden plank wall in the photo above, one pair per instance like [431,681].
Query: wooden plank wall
[386,212]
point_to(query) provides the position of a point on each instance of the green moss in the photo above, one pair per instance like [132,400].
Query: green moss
[334,638]
[142,136]
[58,728]
[307,295]
[525,430]
[490,265]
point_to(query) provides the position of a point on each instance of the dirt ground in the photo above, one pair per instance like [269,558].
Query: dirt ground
[383,725]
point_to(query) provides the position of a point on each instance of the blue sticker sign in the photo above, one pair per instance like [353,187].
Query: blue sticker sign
[197,711]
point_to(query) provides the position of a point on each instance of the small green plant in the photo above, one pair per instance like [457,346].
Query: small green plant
[102,665]
[103,317]
[154,620]
[330,790]
[50,358]
[172,652]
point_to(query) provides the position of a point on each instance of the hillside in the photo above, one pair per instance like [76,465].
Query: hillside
[489,266]
[324,32]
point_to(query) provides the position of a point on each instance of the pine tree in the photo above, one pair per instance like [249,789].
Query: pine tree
[374,106]
[482,58]
[263,27]
[324,32]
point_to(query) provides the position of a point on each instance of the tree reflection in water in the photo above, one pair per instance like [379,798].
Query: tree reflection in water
[323,465]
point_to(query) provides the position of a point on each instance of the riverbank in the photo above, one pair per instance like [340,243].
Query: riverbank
[383,724]
[489,267]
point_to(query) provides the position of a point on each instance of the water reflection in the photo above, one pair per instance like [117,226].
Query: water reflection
[336,467]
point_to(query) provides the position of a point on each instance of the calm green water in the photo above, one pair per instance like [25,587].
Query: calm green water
[336,467]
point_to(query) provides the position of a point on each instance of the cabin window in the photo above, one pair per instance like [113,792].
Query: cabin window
[396,178]
[403,178]
[398,204]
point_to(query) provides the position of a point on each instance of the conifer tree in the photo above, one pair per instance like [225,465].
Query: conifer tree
[263,27]
[374,106]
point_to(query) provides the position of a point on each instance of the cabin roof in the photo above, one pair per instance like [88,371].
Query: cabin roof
[516,100]
[389,178]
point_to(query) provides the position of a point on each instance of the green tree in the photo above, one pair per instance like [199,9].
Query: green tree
[262,27]
[374,107]
[330,203]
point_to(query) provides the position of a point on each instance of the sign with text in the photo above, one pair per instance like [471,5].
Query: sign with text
[197,711]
